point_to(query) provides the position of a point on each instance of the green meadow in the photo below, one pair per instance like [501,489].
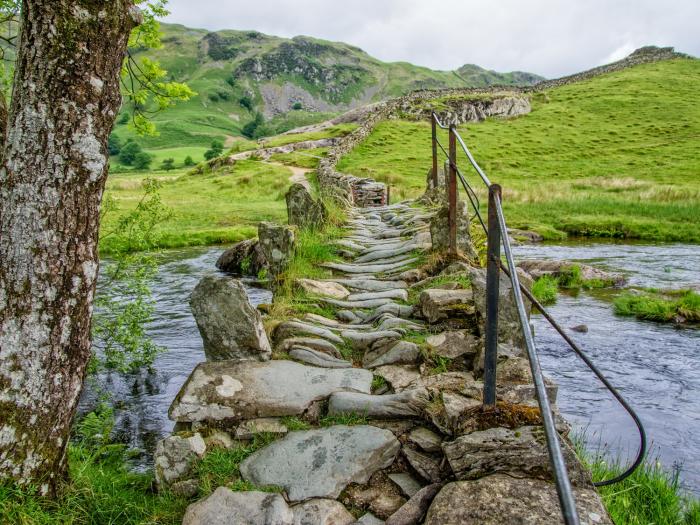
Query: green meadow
[614,156]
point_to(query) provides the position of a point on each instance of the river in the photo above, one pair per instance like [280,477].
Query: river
[657,367]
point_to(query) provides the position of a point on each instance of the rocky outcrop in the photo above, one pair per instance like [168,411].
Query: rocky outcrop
[302,210]
[321,463]
[277,245]
[229,325]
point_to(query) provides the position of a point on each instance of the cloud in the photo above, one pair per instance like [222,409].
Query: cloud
[549,37]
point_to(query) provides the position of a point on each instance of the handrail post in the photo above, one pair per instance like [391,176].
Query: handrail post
[452,192]
[493,263]
[435,152]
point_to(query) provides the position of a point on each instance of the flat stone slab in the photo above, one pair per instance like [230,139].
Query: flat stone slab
[453,344]
[321,463]
[407,483]
[316,358]
[371,285]
[320,345]
[369,268]
[364,340]
[398,293]
[398,353]
[299,328]
[398,376]
[409,403]
[499,499]
[325,288]
[230,390]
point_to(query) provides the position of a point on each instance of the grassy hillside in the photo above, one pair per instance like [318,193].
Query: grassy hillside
[292,82]
[614,156]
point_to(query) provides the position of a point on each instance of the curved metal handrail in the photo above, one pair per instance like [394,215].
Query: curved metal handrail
[512,274]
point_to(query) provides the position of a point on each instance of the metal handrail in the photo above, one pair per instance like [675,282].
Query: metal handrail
[498,233]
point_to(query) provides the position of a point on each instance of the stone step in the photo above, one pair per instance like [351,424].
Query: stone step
[239,390]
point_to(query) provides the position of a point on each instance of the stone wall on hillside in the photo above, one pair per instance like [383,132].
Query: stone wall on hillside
[454,106]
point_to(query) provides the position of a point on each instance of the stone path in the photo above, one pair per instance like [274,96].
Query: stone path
[390,389]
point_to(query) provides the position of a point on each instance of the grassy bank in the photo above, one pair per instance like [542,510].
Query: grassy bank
[615,156]
[650,496]
[659,305]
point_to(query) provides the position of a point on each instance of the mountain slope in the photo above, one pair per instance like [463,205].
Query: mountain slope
[238,74]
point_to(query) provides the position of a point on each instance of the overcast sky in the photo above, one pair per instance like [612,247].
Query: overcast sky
[548,37]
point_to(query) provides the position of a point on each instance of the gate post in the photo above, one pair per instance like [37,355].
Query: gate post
[492,293]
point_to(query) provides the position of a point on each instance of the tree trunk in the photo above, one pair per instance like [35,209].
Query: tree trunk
[54,165]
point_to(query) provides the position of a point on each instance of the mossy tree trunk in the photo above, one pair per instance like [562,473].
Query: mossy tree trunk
[54,165]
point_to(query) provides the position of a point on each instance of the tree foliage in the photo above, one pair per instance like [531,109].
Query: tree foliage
[216,149]
[144,86]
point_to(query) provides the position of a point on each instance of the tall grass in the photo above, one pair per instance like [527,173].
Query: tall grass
[660,306]
[650,496]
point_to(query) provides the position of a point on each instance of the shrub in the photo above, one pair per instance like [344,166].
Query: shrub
[250,130]
[246,102]
[142,161]
[114,145]
[168,164]
[214,97]
[129,152]
[215,150]
[297,106]
[189,161]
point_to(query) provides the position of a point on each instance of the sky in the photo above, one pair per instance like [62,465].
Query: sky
[548,37]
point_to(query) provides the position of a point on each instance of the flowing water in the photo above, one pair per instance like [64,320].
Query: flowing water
[656,366]
[142,400]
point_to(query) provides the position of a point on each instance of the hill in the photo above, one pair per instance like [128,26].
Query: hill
[291,82]
[614,155]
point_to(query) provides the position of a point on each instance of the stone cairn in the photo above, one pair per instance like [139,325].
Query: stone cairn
[389,390]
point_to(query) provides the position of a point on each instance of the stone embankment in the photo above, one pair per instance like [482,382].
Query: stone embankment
[373,413]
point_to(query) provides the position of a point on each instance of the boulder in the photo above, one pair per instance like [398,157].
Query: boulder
[322,512]
[302,210]
[453,344]
[243,258]
[509,328]
[236,391]
[426,439]
[277,244]
[437,304]
[398,376]
[229,325]
[499,499]
[226,507]
[407,483]
[176,457]
[324,288]
[321,463]
[439,230]
[394,353]
[425,465]
[521,452]
[413,511]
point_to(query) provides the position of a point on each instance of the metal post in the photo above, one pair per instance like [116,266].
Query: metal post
[435,152]
[388,194]
[493,264]
[452,192]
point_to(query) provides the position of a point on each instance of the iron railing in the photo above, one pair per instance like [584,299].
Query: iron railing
[497,234]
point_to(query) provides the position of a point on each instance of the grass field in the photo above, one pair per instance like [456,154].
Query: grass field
[615,156]
[218,207]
